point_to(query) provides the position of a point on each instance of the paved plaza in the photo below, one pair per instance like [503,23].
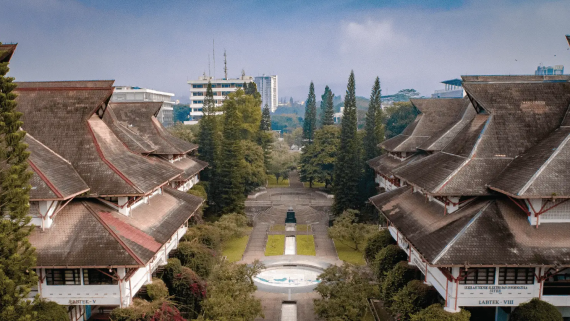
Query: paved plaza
[269,208]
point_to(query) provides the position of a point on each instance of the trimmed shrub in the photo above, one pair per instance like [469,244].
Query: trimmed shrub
[205,234]
[395,280]
[198,257]
[386,259]
[436,313]
[415,296]
[231,226]
[157,290]
[142,310]
[536,310]
[376,243]
[49,311]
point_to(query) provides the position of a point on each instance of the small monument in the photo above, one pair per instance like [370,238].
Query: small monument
[290,220]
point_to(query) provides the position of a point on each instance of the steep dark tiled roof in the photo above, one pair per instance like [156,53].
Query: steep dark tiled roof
[54,178]
[62,116]
[90,233]
[139,118]
[191,166]
[6,52]
[541,172]
[485,231]
[386,164]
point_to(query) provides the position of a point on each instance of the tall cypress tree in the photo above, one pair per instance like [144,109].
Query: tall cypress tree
[265,119]
[347,167]
[327,117]
[231,178]
[310,123]
[17,256]
[265,136]
[374,134]
[208,140]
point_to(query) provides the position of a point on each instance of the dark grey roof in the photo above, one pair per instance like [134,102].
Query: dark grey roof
[139,118]
[90,233]
[485,231]
[62,116]
[53,177]
[6,52]
[541,172]
[386,164]
[191,166]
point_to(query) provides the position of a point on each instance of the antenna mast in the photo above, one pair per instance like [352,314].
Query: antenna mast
[209,70]
[225,65]
[214,57]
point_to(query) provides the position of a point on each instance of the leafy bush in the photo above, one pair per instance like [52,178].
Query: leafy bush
[231,226]
[187,288]
[386,259]
[49,311]
[395,280]
[157,290]
[436,313]
[376,243]
[198,190]
[198,257]
[205,234]
[536,310]
[415,296]
[141,310]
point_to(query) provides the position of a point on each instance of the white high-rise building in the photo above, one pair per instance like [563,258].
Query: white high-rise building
[220,87]
[137,94]
[268,88]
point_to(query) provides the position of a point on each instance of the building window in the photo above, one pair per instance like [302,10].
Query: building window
[198,94]
[516,275]
[63,277]
[477,276]
[97,276]
[225,85]
[558,284]
[197,86]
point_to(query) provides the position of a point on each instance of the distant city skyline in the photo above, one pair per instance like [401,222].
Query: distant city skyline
[408,44]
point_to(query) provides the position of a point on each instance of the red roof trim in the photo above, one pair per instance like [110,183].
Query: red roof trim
[60,88]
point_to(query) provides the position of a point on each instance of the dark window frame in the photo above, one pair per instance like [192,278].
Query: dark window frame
[477,275]
[97,277]
[527,278]
[63,277]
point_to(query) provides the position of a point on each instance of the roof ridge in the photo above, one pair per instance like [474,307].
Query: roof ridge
[45,179]
[51,150]
[543,166]
[461,233]
[115,236]
[127,130]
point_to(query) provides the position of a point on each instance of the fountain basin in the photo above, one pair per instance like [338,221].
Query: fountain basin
[282,278]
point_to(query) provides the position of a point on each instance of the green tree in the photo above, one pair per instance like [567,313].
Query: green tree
[325,149]
[436,313]
[536,310]
[17,256]
[142,310]
[209,140]
[181,113]
[386,259]
[376,243]
[282,161]
[347,230]
[231,176]
[49,311]
[327,116]
[308,171]
[254,166]
[185,286]
[347,167]
[395,280]
[184,132]
[265,119]
[249,111]
[157,290]
[344,291]
[310,122]
[400,115]
[374,134]
[414,297]
[294,138]
[230,293]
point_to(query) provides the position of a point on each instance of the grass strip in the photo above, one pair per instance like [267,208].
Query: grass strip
[306,245]
[275,245]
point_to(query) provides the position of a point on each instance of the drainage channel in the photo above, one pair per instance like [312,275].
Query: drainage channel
[289,311]
[290,245]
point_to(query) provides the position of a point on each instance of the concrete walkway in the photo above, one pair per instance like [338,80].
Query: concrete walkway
[269,209]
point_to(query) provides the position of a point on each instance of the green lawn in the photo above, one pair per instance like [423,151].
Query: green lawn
[272,181]
[277,228]
[348,254]
[233,249]
[302,227]
[275,245]
[305,245]
[315,184]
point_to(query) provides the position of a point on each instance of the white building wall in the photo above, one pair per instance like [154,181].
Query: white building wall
[268,87]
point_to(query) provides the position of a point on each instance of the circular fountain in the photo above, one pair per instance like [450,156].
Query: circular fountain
[283,278]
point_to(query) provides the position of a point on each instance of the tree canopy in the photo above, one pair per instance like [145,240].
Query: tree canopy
[310,122]
[399,116]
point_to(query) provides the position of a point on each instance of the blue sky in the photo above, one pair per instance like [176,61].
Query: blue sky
[161,44]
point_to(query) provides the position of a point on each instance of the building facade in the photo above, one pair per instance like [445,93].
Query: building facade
[453,89]
[108,193]
[221,88]
[549,70]
[476,191]
[268,87]
[137,94]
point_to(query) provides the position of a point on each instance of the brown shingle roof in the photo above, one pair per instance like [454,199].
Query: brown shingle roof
[386,164]
[6,52]
[191,166]
[54,177]
[139,118]
[89,233]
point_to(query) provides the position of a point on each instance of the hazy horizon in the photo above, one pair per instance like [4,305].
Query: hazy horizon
[408,44]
